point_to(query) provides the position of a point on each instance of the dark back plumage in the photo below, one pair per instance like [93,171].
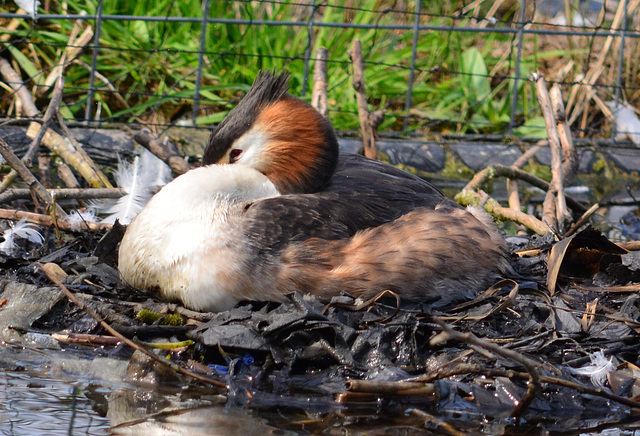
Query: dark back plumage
[363,193]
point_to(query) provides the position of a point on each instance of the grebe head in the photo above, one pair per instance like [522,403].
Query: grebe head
[281,136]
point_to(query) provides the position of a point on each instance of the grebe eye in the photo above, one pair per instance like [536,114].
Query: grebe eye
[234,154]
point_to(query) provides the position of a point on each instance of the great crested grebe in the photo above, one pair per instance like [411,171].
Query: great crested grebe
[287,213]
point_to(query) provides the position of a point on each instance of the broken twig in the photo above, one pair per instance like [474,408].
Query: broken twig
[36,188]
[512,184]
[569,154]
[65,193]
[47,270]
[65,149]
[46,220]
[494,171]
[166,151]
[391,388]
[530,365]
[56,98]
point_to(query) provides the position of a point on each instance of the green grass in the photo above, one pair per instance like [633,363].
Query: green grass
[153,64]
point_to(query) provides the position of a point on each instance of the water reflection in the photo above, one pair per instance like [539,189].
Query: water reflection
[39,406]
[54,392]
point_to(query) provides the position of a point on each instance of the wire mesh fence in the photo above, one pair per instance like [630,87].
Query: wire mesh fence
[445,67]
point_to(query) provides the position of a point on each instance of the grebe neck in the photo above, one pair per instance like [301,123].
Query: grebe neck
[215,186]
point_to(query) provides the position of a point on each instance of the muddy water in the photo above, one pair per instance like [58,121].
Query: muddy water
[46,391]
[40,406]
[73,392]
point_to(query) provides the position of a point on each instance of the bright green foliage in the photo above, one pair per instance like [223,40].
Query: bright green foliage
[153,64]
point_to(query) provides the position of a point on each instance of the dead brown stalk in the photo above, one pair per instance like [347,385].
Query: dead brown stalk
[366,122]
[319,96]
[554,213]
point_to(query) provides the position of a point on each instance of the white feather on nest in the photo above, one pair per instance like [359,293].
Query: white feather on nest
[20,230]
[597,370]
[77,217]
[140,179]
[29,6]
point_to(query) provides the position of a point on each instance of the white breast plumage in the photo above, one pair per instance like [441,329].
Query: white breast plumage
[184,242]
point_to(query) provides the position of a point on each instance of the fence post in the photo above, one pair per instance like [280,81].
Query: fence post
[514,96]
[94,63]
[414,50]
[623,33]
[307,54]
[203,43]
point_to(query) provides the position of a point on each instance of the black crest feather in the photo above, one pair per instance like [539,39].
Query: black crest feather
[267,88]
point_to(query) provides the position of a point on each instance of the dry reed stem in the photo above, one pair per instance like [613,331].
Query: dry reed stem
[52,109]
[630,245]
[583,94]
[366,125]
[86,339]
[79,150]
[16,83]
[73,155]
[64,148]
[569,154]
[73,49]
[56,98]
[114,92]
[319,96]
[390,388]
[44,170]
[606,110]
[492,11]
[554,212]
[441,425]
[513,195]
[493,171]
[67,176]
[583,219]
[512,184]
[472,198]
[11,27]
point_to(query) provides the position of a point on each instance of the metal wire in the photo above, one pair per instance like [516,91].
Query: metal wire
[519,30]
[94,63]
[203,42]
[414,52]
[337,25]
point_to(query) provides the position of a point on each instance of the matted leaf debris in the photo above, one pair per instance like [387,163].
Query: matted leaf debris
[327,363]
